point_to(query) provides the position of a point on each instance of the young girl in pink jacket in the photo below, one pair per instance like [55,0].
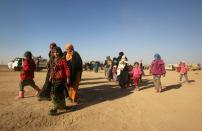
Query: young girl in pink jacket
[183,70]
[157,69]
[136,74]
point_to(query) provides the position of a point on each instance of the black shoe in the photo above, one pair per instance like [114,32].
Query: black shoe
[67,108]
[44,98]
[74,108]
[52,112]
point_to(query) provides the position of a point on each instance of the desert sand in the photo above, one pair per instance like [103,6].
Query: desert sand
[103,106]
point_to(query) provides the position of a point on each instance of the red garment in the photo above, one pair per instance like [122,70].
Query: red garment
[28,68]
[136,81]
[158,67]
[184,69]
[136,72]
[178,69]
[60,71]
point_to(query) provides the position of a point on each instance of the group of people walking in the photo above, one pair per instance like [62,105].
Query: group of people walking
[121,71]
[62,79]
[157,69]
[65,71]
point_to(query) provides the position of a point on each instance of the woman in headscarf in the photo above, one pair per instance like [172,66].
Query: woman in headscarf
[120,56]
[157,70]
[123,72]
[46,89]
[96,66]
[107,66]
[59,76]
[122,64]
[75,63]
[109,69]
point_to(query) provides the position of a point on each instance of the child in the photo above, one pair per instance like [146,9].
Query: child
[136,74]
[157,70]
[27,74]
[183,69]
[59,76]
[114,72]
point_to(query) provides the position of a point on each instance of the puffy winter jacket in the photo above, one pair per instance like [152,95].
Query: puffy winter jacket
[59,71]
[158,67]
[28,68]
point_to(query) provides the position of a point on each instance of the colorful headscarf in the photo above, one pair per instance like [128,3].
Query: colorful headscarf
[59,50]
[70,51]
[69,46]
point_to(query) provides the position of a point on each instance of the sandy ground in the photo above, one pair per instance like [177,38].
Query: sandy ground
[106,107]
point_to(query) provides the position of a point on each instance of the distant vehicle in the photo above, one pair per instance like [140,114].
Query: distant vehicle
[170,67]
[194,67]
[16,64]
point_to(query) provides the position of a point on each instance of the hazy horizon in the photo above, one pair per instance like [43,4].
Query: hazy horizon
[172,28]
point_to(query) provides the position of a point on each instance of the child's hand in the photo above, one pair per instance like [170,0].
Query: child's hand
[68,80]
